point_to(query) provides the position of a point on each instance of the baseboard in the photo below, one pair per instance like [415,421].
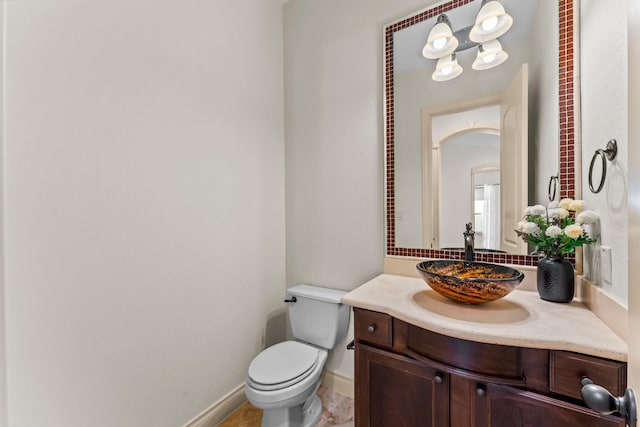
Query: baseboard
[220,410]
[338,383]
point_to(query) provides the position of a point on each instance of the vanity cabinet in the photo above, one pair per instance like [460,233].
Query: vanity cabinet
[400,391]
[408,376]
[501,406]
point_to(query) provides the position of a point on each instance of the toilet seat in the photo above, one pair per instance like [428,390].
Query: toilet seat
[282,365]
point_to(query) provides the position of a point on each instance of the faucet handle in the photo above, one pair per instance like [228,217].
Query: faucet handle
[469,226]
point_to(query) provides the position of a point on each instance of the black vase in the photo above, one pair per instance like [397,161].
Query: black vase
[555,279]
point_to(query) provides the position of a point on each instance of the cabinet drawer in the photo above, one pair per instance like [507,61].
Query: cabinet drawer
[373,327]
[567,370]
[507,406]
[486,359]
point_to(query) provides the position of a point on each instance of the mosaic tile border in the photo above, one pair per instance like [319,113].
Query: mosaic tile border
[567,173]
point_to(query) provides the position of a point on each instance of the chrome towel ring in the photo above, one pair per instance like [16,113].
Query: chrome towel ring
[609,153]
[553,187]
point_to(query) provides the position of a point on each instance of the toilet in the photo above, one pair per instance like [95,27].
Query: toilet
[284,378]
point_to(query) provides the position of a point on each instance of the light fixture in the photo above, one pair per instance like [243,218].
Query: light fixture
[490,54]
[492,22]
[447,68]
[441,41]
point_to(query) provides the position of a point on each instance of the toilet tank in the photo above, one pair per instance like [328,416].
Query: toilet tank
[318,317]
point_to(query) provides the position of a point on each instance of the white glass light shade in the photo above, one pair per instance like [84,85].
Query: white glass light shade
[441,41]
[489,55]
[447,68]
[492,22]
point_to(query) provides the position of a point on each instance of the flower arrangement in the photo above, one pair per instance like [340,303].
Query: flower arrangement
[557,229]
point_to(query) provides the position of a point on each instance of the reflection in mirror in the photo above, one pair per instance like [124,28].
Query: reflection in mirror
[485,184]
[429,197]
[461,153]
[506,87]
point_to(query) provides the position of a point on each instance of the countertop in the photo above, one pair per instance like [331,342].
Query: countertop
[519,319]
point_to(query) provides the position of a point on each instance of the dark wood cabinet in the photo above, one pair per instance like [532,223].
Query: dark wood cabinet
[401,391]
[408,376]
[500,406]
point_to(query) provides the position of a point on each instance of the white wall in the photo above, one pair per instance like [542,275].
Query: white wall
[604,116]
[144,205]
[633,340]
[334,151]
[459,157]
[544,131]
[3,350]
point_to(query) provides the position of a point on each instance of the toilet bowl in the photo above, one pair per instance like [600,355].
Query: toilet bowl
[288,383]
[283,380]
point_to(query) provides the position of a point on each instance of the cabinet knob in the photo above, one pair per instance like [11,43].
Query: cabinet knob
[599,399]
[481,390]
[371,329]
[438,378]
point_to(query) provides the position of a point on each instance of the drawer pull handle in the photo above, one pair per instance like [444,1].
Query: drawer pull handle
[371,329]
[438,378]
[600,400]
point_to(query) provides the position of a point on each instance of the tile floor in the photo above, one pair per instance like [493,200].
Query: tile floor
[246,416]
[337,409]
[337,412]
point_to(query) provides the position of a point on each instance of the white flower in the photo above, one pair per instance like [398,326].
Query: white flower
[553,231]
[554,213]
[531,228]
[587,217]
[554,204]
[566,203]
[577,206]
[537,210]
[558,213]
[520,225]
[573,231]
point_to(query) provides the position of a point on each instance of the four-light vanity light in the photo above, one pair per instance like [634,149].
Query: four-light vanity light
[442,44]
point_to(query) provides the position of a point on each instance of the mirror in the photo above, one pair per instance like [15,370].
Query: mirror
[420,180]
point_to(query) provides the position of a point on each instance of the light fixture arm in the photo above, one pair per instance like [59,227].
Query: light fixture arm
[443,19]
[464,42]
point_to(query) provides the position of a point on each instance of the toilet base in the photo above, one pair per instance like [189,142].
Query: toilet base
[304,415]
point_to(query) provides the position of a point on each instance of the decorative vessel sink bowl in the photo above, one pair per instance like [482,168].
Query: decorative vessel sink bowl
[469,282]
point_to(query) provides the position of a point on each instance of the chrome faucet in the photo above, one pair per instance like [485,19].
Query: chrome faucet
[468,243]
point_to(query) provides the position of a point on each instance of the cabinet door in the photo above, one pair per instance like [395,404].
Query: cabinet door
[500,406]
[393,390]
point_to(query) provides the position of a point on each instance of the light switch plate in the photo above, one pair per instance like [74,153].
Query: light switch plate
[605,264]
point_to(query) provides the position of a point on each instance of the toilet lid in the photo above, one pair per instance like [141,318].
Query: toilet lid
[283,362]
